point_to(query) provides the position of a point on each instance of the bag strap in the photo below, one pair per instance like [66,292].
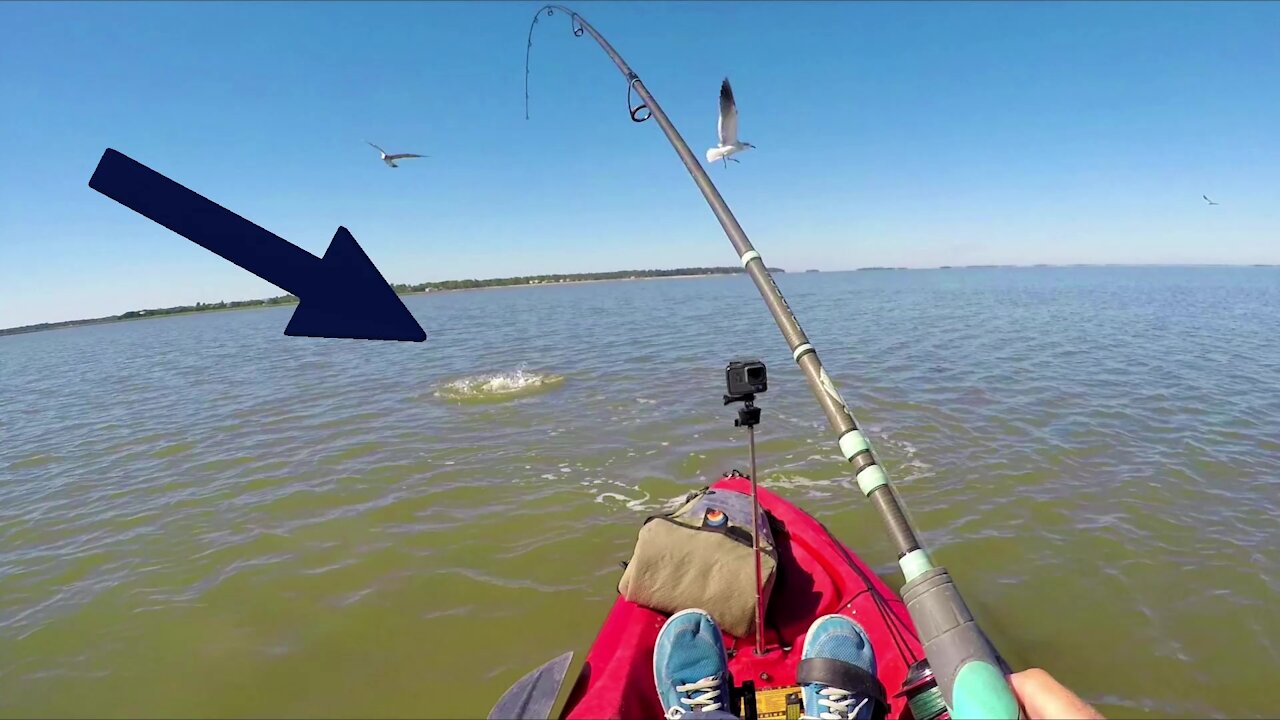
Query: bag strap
[688,499]
[735,534]
[843,675]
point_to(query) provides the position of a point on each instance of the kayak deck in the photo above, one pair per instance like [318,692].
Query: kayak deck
[817,575]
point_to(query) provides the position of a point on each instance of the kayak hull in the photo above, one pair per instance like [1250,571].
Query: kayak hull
[816,576]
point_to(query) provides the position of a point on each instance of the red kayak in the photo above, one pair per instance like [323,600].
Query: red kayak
[817,575]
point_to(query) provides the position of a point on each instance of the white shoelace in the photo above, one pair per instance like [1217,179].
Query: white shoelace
[706,702]
[836,701]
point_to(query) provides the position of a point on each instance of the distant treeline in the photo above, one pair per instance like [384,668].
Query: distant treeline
[201,307]
[400,288]
[157,312]
[577,277]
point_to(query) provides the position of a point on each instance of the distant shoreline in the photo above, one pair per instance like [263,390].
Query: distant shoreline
[1041,266]
[572,282]
[401,289]
[566,279]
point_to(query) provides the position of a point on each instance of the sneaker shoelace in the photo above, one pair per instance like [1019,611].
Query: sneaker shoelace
[837,702]
[706,702]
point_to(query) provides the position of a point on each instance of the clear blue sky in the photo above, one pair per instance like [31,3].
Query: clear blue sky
[889,134]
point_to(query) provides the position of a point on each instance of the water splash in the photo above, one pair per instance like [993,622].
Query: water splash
[496,387]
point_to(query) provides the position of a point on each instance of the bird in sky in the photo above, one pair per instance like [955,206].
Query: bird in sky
[1206,199]
[390,159]
[727,128]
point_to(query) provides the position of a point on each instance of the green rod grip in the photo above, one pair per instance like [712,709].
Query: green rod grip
[968,668]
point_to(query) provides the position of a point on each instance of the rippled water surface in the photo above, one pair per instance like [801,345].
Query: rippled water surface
[202,517]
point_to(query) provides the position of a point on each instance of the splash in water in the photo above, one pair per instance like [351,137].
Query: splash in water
[492,387]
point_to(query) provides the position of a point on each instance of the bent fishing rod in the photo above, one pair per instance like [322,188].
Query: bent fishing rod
[969,670]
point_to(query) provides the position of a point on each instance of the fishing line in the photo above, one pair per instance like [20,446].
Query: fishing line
[575,23]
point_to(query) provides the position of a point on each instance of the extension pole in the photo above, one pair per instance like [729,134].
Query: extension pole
[755,542]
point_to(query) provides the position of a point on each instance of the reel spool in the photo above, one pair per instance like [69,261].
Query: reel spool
[924,699]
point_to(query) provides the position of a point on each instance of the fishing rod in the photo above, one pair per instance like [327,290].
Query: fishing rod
[969,670]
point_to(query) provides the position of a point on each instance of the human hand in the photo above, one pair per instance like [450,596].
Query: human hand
[1044,698]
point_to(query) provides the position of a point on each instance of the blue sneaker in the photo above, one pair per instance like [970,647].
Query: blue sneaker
[837,671]
[689,665]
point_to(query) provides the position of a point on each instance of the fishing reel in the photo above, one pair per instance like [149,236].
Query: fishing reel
[920,688]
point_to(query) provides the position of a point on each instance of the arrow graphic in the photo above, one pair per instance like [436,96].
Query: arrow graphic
[341,295]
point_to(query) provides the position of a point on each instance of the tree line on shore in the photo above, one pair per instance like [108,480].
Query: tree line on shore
[400,288]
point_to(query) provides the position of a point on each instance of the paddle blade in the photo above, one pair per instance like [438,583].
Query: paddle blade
[533,695]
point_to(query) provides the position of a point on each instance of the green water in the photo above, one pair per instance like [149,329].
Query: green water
[202,517]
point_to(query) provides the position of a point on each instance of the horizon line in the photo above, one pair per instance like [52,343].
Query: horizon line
[715,270]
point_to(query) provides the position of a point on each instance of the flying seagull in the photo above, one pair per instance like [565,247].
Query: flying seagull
[1206,199]
[390,160]
[728,128]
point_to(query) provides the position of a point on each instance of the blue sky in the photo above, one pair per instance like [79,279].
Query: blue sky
[888,134]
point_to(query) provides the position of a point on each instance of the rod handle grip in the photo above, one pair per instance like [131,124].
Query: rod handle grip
[970,672]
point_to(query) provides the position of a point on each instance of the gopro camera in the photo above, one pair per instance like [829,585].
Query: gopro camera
[746,377]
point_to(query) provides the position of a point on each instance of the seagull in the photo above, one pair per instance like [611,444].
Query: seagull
[1206,199]
[390,160]
[728,128]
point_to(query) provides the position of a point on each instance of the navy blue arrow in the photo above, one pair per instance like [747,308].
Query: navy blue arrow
[341,295]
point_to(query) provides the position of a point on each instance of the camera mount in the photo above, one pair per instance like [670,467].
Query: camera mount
[748,414]
[745,378]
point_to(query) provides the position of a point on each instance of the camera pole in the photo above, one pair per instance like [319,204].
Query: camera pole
[749,417]
[968,668]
